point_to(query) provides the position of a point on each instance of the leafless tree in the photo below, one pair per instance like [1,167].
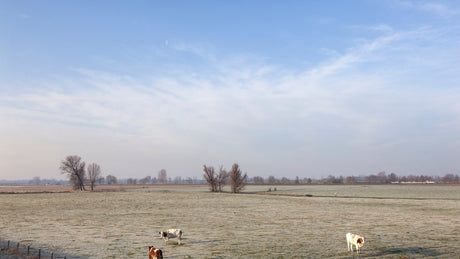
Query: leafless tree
[210,177]
[162,176]
[350,180]
[74,167]
[272,179]
[237,179]
[221,178]
[285,180]
[258,180]
[94,173]
[393,177]
[110,179]
[146,180]
[36,180]
[449,178]
[382,178]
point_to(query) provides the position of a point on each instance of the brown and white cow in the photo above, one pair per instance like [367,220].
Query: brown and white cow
[155,253]
[171,233]
[354,240]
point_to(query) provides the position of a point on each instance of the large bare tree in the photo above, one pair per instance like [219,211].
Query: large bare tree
[74,167]
[237,178]
[210,177]
[94,173]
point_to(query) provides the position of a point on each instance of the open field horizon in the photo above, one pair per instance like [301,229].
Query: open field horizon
[397,221]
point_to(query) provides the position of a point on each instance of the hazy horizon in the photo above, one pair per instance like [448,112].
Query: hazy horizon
[292,88]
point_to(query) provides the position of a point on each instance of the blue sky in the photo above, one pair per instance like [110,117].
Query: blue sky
[284,88]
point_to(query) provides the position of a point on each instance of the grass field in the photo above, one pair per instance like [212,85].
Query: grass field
[397,221]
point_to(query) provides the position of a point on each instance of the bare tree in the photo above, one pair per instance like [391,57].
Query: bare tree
[221,178]
[210,177]
[350,180]
[393,178]
[258,180]
[238,180]
[74,167]
[162,176]
[448,178]
[382,178]
[272,179]
[110,179]
[36,180]
[146,180]
[94,173]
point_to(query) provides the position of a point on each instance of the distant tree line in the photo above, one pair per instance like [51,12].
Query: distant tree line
[79,175]
[161,179]
[379,178]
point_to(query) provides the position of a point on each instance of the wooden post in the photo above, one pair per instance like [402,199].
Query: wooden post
[17,246]
[52,255]
[8,246]
[28,248]
[39,253]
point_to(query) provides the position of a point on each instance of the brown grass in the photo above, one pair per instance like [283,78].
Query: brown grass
[222,225]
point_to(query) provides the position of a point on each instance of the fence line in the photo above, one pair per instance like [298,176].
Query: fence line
[12,249]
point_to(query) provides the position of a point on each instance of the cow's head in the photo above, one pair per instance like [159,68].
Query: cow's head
[360,242]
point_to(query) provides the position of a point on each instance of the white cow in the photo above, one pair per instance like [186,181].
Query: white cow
[171,233]
[354,240]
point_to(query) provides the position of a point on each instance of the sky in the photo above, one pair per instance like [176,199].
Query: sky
[283,88]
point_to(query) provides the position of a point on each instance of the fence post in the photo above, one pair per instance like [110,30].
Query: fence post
[28,248]
[17,246]
[39,253]
[52,255]
[8,246]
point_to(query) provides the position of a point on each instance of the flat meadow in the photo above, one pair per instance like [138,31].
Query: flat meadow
[298,221]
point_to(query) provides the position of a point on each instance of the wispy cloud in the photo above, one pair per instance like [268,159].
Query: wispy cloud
[436,8]
[265,112]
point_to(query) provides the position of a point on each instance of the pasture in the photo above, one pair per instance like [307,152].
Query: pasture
[397,221]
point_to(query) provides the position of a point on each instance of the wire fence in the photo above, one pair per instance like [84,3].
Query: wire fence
[12,250]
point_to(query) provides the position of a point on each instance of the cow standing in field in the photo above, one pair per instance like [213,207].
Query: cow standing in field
[171,233]
[354,240]
[155,253]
